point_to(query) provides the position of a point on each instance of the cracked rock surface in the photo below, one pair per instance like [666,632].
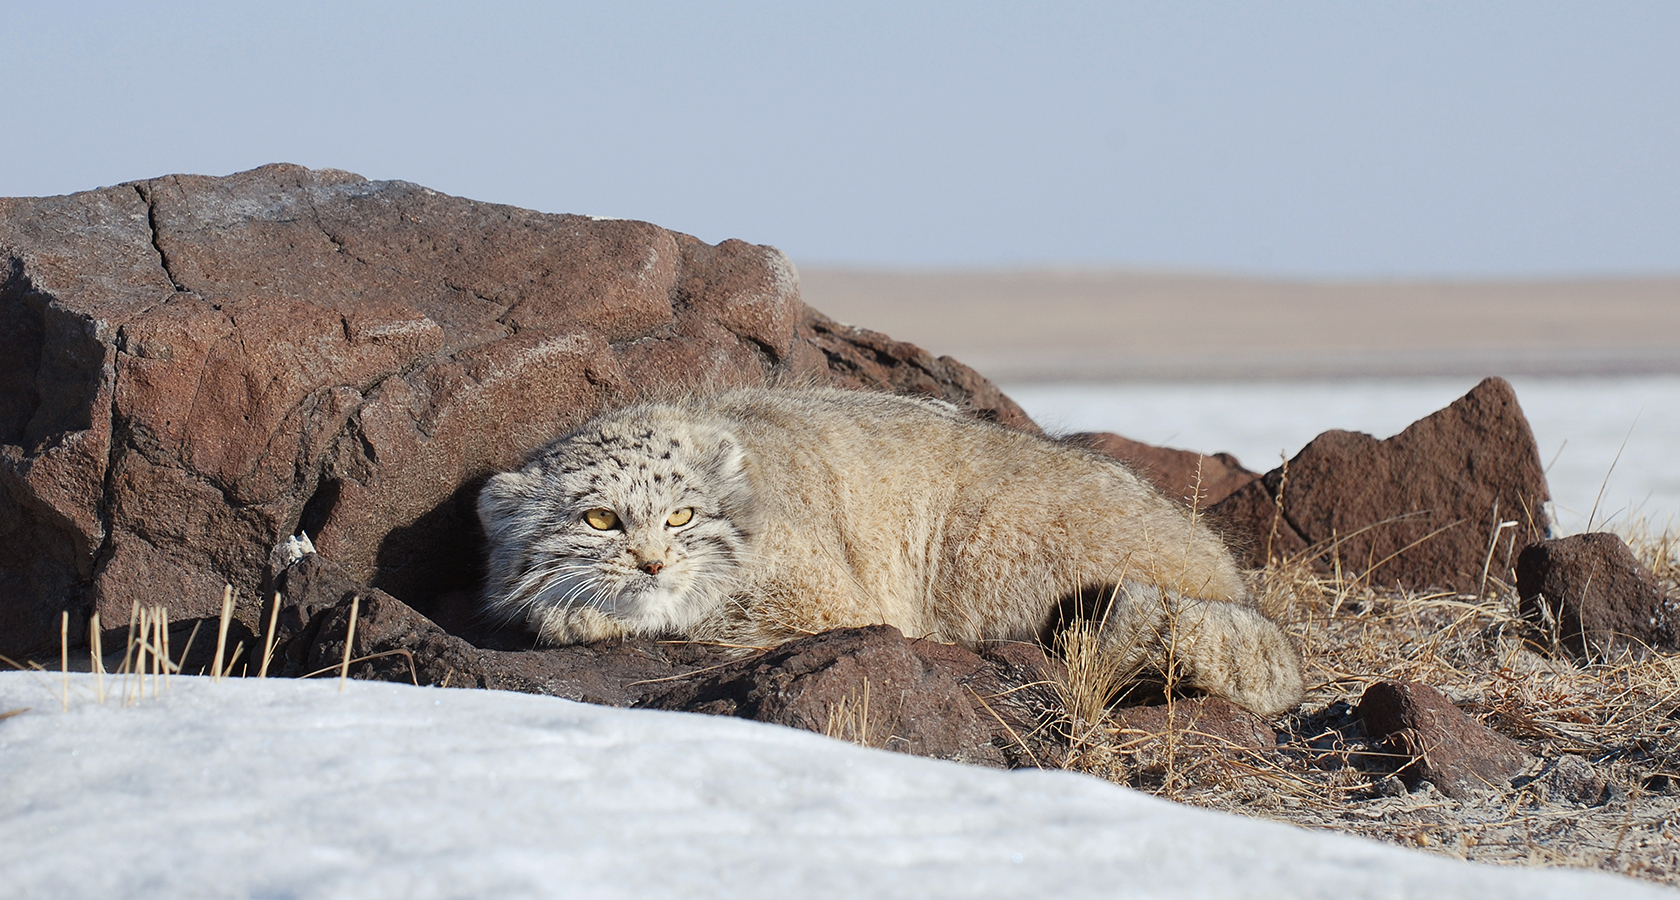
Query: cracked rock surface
[194,368]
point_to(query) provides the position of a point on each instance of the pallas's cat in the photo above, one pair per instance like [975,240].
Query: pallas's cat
[753,516]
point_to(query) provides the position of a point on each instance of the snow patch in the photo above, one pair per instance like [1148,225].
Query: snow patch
[284,788]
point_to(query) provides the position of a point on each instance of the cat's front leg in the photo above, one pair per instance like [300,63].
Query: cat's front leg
[561,625]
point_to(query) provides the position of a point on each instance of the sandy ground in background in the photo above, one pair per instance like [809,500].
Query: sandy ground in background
[1118,325]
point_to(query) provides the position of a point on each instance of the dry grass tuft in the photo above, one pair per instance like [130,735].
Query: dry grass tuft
[1623,718]
[850,719]
[1094,679]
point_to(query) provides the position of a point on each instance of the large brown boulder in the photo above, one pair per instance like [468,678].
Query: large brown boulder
[193,368]
[1417,510]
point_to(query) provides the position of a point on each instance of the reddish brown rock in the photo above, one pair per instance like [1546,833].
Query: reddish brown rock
[1595,596]
[857,357]
[1183,475]
[1255,528]
[192,368]
[1192,733]
[869,685]
[392,641]
[395,643]
[1416,510]
[1211,720]
[1447,748]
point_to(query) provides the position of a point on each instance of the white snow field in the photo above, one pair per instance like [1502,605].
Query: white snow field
[290,789]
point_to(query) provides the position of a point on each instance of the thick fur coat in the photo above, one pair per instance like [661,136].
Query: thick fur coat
[753,516]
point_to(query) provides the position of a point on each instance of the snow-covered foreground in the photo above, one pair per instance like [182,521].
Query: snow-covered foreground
[278,788]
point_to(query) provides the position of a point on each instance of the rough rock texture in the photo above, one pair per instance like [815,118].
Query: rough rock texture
[1200,729]
[315,601]
[1176,473]
[871,685]
[1601,600]
[1574,780]
[1447,748]
[1212,719]
[192,368]
[1416,510]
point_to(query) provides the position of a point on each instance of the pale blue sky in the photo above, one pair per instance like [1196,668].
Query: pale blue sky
[1318,139]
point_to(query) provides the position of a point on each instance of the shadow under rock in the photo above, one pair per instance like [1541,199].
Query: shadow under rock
[436,563]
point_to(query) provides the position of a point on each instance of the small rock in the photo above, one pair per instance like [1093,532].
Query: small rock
[1201,728]
[1601,601]
[1574,780]
[1391,786]
[1458,754]
[316,598]
[868,685]
[1661,783]
[1209,719]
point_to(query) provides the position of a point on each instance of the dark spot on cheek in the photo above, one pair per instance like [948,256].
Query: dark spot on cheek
[666,455]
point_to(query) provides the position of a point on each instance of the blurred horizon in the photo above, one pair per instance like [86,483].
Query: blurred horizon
[1132,325]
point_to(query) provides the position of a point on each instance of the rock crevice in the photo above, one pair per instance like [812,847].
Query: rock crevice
[152,226]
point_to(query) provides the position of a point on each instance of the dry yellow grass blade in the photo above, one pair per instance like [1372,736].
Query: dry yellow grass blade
[850,719]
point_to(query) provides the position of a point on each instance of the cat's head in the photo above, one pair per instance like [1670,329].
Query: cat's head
[633,524]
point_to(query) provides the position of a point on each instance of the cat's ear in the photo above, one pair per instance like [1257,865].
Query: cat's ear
[721,453]
[502,497]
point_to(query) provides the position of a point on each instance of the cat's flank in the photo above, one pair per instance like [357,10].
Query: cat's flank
[754,516]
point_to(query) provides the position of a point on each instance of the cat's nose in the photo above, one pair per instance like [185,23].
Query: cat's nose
[650,558]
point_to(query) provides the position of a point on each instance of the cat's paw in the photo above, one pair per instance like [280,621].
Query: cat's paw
[1236,653]
[559,626]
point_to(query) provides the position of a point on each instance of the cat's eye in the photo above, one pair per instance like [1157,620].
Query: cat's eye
[601,519]
[680,517]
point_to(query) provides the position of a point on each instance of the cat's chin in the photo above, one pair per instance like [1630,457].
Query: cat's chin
[667,607]
[649,612]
